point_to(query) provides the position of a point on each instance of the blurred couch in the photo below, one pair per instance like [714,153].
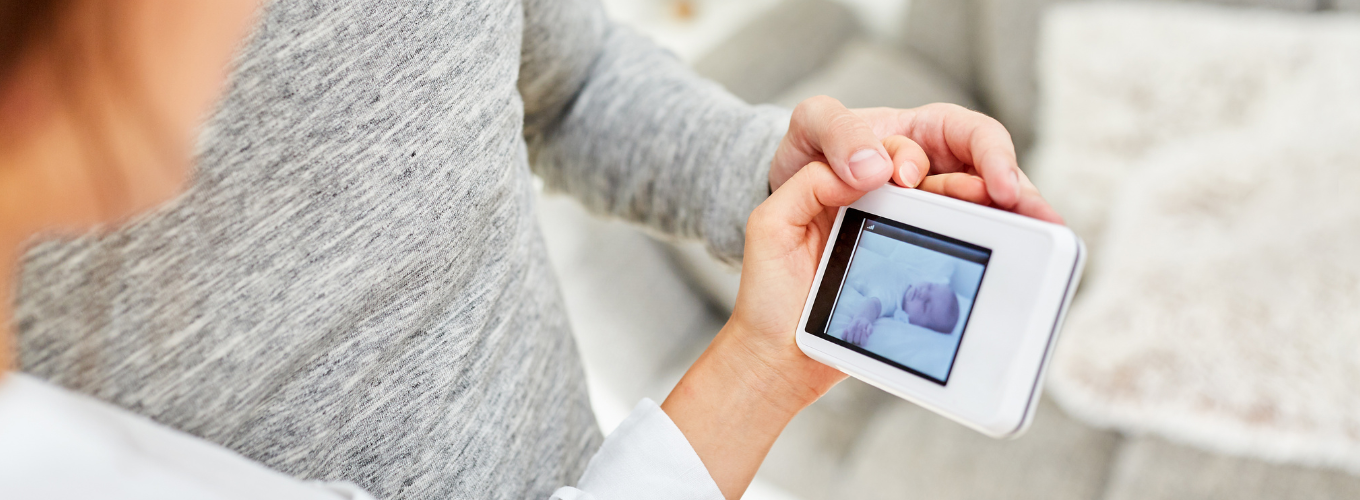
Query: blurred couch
[978,53]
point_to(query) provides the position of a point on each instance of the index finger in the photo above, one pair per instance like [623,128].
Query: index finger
[983,142]
[1032,204]
[972,138]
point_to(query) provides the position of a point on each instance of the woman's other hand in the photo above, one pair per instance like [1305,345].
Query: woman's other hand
[785,237]
[753,379]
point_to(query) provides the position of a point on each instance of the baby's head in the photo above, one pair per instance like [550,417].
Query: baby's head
[931,305]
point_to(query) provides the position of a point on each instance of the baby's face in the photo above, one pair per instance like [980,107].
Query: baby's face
[931,305]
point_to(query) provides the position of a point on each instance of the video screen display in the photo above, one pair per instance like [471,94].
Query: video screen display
[898,293]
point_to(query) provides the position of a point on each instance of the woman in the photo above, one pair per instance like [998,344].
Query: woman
[352,287]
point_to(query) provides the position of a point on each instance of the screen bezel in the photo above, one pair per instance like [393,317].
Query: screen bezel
[842,255]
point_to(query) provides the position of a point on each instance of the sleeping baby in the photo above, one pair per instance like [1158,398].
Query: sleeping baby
[885,290]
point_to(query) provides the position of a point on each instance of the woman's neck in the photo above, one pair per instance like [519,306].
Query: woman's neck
[9,266]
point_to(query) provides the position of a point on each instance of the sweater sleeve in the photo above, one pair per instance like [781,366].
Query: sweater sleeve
[646,457]
[625,127]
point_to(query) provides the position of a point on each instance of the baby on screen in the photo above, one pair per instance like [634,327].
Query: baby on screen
[887,291]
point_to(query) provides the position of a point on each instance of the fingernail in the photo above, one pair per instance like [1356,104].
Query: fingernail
[1016,177]
[911,173]
[866,163]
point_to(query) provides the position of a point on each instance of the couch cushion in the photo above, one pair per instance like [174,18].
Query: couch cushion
[778,49]
[942,32]
[863,74]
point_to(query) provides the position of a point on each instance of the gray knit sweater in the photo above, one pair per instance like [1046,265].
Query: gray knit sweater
[354,288]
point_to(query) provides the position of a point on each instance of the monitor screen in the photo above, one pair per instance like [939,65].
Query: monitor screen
[898,293]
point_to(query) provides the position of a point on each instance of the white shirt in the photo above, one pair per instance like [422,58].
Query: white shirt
[645,457]
[56,444]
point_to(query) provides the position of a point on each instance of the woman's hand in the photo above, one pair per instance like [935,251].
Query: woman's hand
[748,384]
[753,379]
[967,146]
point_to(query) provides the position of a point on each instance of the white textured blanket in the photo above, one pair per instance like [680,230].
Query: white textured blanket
[1211,159]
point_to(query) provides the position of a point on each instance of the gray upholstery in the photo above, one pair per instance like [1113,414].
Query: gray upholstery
[779,49]
[1152,469]
[942,33]
[864,74]
[985,48]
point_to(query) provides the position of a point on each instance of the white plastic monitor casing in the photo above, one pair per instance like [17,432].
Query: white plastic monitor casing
[997,376]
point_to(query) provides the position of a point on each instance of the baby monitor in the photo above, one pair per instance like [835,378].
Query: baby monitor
[947,304]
